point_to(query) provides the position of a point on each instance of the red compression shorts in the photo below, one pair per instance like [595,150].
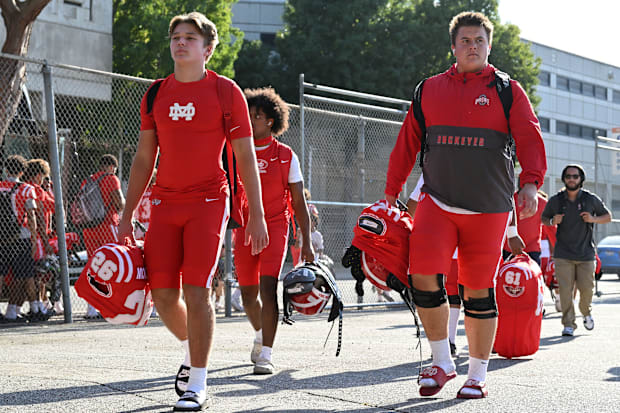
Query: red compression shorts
[269,262]
[452,277]
[185,236]
[478,236]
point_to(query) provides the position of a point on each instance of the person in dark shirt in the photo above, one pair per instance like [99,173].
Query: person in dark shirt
[575,211]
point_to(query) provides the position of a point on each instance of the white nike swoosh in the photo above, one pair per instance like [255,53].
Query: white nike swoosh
[211,199]
[273,159]
[283,161]
[236,127]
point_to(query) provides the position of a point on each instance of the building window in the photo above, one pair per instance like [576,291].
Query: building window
[574,86]
[561,128]
[577,131]
[616,96]
[587,89]
[544,78]
[574,130]
[587,132]
[544,124]
[600,92]
[562,83]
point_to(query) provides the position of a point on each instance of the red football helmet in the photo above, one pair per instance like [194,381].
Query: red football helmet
[114,282]
[376,273]
[307,291]
[382,232]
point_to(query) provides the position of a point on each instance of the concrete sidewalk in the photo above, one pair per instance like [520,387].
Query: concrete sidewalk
[97,367]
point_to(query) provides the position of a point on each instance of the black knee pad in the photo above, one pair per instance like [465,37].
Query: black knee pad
[430,299]
[454,299]
[395,284]
[479,304]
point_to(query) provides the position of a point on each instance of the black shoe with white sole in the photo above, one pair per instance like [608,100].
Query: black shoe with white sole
[181,380]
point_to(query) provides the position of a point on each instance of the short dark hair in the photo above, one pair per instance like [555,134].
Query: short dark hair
[271,104]
[469,18]
[108,160]
[15,164]
[35,167]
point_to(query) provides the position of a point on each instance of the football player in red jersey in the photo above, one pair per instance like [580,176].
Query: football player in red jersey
[112,196]
[468,170]
[190,198]
[17,254]
[282,182]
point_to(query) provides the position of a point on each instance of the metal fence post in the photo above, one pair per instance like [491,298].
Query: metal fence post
[55,171]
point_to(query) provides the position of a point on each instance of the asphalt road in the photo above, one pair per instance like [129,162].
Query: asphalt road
[97,367]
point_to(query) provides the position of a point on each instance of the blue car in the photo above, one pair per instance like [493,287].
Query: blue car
[609,253]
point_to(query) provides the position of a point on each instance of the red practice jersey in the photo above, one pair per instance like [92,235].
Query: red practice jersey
[188,121]
[114,282]
[24,194]
[143,211]
[530,229]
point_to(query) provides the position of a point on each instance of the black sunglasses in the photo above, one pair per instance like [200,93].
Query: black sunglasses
[569,176]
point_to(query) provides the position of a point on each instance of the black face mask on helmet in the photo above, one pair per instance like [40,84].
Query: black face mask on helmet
[307,289]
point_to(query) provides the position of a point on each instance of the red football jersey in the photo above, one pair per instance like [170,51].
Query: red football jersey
[382,231]
[114,282]
[519,291]
[188,121]
[20,197]
[274,163]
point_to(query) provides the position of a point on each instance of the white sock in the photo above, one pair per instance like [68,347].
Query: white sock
[11,311]
[259,336]
[265,353]
[441,358]
[187,361]
[197,380]
[453,324]
[477,369]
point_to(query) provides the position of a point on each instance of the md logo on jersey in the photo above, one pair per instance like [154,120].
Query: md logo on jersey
[177,111]
[262,165]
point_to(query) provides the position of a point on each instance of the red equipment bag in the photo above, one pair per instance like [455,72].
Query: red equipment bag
[519,292]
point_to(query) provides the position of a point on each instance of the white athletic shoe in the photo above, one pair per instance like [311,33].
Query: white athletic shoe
[235,300]
[568,332]
[588,322]
[256,348]
[263,366]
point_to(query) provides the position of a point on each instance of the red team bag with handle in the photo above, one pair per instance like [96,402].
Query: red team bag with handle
[519,292]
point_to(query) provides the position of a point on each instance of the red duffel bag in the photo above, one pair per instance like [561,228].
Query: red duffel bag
[519,292]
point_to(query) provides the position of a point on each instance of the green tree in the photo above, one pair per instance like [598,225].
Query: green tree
[141,45]
[378,46]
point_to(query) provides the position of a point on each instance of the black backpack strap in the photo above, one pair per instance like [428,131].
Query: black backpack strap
[504,90]
[151,94]
[419,116]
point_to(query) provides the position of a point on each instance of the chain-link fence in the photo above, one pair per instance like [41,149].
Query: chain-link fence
[344,145]
[96,114]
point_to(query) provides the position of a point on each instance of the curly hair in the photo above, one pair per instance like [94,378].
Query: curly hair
[267,100]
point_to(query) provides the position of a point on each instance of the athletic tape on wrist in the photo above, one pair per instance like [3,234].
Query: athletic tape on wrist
[511,232]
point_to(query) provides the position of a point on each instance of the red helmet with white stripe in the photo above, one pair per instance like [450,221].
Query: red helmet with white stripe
[114,282]
[382,233]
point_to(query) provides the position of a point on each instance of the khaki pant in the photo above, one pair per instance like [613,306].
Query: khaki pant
[572,273]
